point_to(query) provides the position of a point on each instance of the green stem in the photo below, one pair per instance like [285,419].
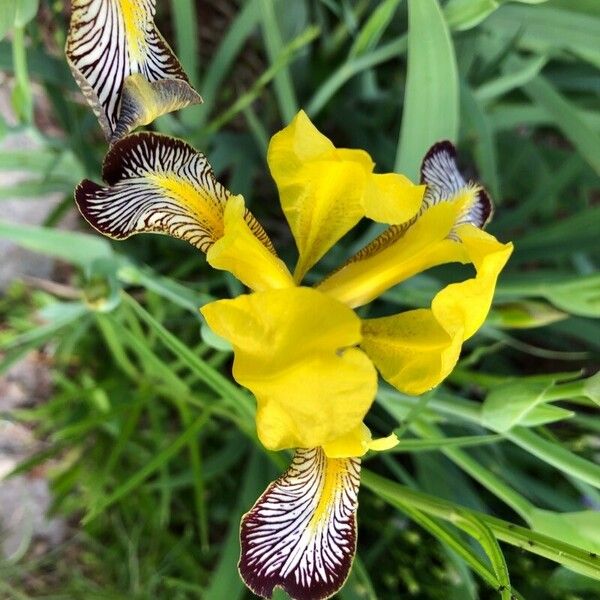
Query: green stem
[24,103]
[571,557]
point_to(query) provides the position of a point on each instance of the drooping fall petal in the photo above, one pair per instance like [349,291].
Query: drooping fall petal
[301,533]
[241,253]
[416,350]
[158,184]
[294,349]
[427,240]
[125,69]
[325,191]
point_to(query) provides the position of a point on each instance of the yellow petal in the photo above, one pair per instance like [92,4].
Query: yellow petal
[426,240]
[320,195]
[392,198]
[357,443]
[412,350]
[465,305]
[416,350]
[325,191]
[158,184]
[110,41]
[398,254]
[301,533]
[241,253]
[294,350]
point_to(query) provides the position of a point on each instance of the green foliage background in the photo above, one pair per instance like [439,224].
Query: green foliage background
[153,446]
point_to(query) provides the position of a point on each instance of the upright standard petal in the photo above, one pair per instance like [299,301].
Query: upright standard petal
[325,191]
[416,350]
[158,184]
[125,69]
[295,350]
[427,240]
[301,533]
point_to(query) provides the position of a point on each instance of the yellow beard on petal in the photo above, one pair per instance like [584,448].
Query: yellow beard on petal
[334,471]
[133,17]
[207,209]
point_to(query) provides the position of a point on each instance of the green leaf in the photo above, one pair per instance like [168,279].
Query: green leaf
[465,14]
[214,341]
[518,403]
[75,248]
[566,118]
[591,388]
[548,30]
[7,16]
[431,103]
[552,548]
[286,94]
[526,314]
[567,581]
[373,29]
[26,11]
[580,528]
[511,79]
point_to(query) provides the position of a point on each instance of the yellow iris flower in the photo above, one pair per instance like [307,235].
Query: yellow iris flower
[305,354]
[307,357]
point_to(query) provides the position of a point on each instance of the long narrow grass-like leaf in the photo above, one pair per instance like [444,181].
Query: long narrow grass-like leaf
[149,468]
[431,102]
[56,243]
[567,119]
[350,69]
[286,94]
[556,550]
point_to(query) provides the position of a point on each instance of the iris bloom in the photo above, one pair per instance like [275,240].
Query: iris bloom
[124,67]
[310,361]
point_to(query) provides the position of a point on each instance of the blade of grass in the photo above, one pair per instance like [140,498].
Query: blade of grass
[284,57]
[556,550]
[431,103]
[187,34]
[567,119]
[286,95]
[235,38]
[149,468]
[350,69]
[58,244]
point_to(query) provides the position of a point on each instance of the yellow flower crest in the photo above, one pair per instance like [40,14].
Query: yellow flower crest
[311,362]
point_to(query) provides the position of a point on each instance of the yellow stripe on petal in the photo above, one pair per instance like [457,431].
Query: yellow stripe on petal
[294,349]
[108,42]
[397,255]
[241,253]
[301,533]
[424,241]
[325,191]
[416,350]
[157,184]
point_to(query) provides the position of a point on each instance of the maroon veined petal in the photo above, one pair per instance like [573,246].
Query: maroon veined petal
[439,171]
[301,533]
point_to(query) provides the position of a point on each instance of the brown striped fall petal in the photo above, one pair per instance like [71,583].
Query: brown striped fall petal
[110,41]
[156,183]
[301,533]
